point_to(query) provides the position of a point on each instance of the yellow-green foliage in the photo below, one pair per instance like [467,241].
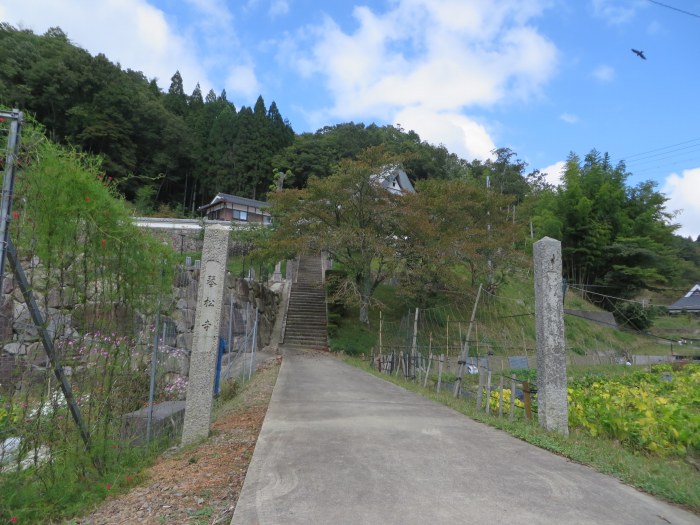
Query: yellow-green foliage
[69,214]
[495,396]
[657,412]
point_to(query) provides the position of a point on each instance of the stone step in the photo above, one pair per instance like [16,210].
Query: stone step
[311,343]
[310,338]
[306,314]
[318,333]
[308,291]
[303,320]
[307,308]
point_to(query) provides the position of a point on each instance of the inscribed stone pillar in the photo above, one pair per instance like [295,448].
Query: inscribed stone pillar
[210,296]
[277,276]
[551,345]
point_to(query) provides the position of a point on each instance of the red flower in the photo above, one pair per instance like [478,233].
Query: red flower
[104,242]
[15,215]
[109,486]
[128,478]
[12,520]
[87,198]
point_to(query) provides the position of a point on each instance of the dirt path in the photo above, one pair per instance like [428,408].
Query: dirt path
[199,485]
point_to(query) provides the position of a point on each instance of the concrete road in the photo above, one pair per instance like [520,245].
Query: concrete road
[341,446]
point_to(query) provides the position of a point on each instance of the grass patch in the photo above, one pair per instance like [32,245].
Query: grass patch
[670,479]
[65,487]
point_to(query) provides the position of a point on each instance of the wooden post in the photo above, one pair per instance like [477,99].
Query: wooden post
[488,393]
[414,345]
[463,360]
[500,397]
[400,363]
[380,333]
[430,359]
[440,372]
[479,390]
[448,336]
[427,372]
[512,398]
[528,405]
[459,346]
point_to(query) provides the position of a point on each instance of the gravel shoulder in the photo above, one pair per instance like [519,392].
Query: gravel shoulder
[200,484]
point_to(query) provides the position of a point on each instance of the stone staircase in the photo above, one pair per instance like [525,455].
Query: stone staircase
[305,325]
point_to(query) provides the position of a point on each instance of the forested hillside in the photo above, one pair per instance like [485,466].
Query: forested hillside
[171,148]
[173,151]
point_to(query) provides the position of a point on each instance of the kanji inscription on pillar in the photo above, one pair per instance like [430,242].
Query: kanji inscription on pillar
[210,298]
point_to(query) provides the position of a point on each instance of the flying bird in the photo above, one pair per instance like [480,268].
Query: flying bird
[640,54]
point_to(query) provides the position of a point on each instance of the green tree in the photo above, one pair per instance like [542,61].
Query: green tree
[443,235]
[350,216]
[176,99]
[612,235]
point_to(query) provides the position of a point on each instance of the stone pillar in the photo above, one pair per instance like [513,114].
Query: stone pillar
[277,276]
[551,345]
[210,298]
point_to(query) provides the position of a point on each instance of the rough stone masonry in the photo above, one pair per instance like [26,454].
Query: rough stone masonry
[210,297]
[551,345]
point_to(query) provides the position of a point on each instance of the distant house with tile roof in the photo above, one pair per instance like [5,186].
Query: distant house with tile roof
[690,302]
[225,207]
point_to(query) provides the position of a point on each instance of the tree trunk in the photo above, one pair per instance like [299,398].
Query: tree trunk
[364,309]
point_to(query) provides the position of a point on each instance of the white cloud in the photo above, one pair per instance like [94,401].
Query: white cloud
[454,55]
[569,118]
[457,133]
[142,39]
[614,11]
[604,73]
[214,12]
[683,192]
[243,81]
[553,174]
[279,7]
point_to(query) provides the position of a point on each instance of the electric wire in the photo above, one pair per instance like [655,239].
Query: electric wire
[675,8]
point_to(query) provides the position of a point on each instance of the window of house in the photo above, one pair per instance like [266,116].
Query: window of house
[267,219]
[240,215]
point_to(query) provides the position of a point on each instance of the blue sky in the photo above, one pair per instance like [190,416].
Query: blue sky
[542,77]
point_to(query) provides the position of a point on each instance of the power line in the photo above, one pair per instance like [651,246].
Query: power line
[644,153]
[675,8]
[651,157]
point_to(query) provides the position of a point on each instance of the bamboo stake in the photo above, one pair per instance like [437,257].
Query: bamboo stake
[488,393]
[500,397]
[380,333]
[430,359]
[458,381]
[448,336]
[480,389]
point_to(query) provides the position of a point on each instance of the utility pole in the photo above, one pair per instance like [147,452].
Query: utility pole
[489,261]
[8,182]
